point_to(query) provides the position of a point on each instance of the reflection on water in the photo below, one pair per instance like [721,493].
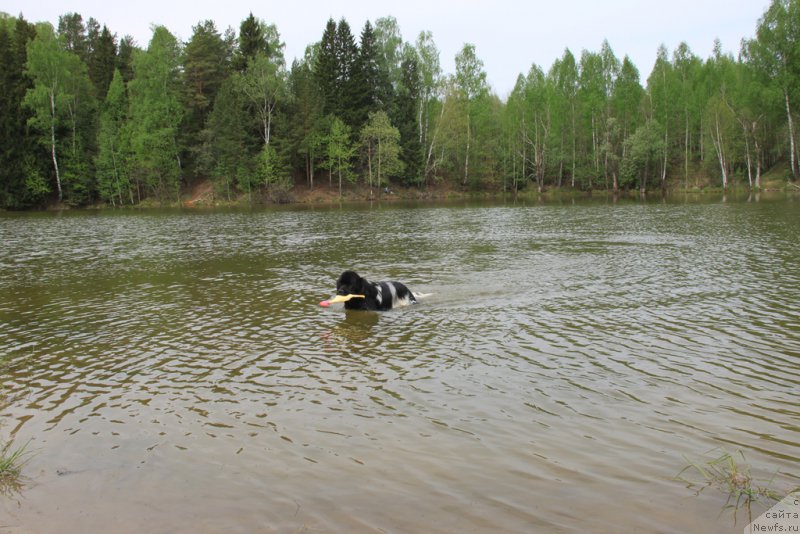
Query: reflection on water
[174,371]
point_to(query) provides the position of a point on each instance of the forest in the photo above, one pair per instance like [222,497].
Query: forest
[88,118]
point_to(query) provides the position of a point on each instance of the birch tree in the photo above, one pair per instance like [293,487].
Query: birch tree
[591,95]
[431,91]
[53,71]
[112,176]
[381,142]
[340,152]
[659,86]
[536,125]
[686,65]
[720,116]
[566,73]
[776,55]
[156,113]
[263,86]
[626,103]
[470,81]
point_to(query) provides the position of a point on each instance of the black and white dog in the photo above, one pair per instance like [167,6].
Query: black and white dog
[377,295]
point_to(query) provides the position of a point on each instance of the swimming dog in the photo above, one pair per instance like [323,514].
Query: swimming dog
[376,295]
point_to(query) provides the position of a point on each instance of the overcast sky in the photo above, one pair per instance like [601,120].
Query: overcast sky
[509,35]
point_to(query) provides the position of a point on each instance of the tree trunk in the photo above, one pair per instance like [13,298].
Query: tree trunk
[643,184]
[466,159]
[524,164]
[53,143]
[428,166]
[594,151]
[561,161]
[758,158]
[792,149]
[747,154]
[378,177]
[686,153]
[605,156]
[664,164]
[720,153]
[116,177]
[574,147]
[309,177]
[369,164]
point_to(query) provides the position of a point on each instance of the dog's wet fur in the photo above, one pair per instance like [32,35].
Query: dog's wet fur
[379,296]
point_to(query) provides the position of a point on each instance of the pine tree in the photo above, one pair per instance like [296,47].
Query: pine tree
[125,58]
[366,84]
[72,32]
[306,108]
[408,102]
[251,41]
[205,68]
[20,171]
[228,150]
[102,62]
[346,56]
[326,70]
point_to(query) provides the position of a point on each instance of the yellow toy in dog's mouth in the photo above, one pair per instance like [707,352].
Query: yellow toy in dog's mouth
[339,298]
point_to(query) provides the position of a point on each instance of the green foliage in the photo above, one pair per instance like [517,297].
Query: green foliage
[643,151]
[334,69]
[470,78]
[225,158]
[390,45]
[272,171]
[340,152]
[62,107]
[84,117]
[205,68]
[17,144]
[72,31]
[775,55]
[408,104]
[251,41]
[366,87]
[263,86]
[430,73]
[256,36]
[326,70]
[155,114]
[102,62]
[125,58]
[113,181]
[381,143]
[306,107]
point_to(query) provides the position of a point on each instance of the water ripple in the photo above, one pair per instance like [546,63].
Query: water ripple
[566,352]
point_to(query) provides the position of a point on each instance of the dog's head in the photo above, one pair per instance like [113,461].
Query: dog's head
[349,283]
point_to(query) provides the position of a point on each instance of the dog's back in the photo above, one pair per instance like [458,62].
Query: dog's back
[393,294]
[377,295]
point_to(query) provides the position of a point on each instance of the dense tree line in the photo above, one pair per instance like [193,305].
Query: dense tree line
[88,117]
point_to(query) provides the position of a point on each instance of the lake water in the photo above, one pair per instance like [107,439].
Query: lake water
[173,371]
